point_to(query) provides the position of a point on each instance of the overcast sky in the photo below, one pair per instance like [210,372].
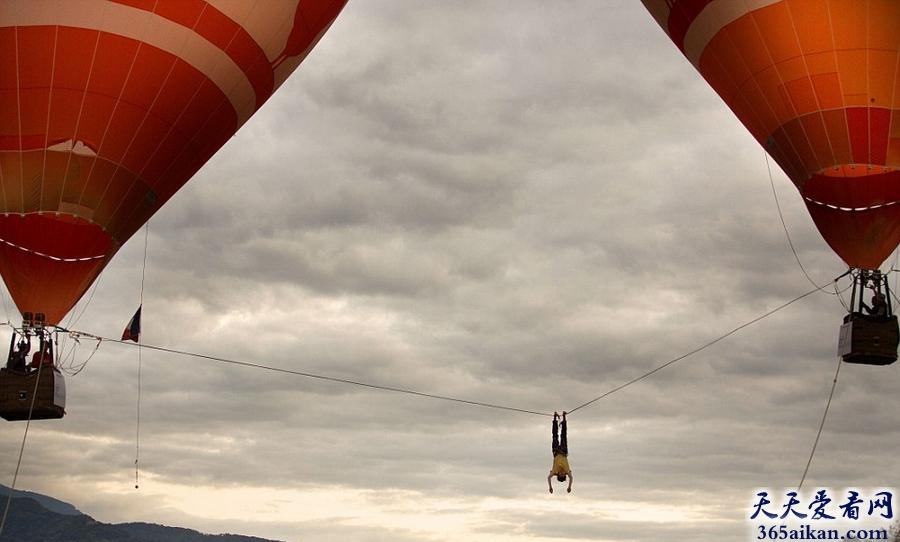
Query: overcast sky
[523,203]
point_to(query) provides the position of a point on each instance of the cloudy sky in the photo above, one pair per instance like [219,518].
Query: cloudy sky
[522,203]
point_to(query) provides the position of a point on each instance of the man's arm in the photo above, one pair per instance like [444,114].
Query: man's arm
[571,479]
[549,483]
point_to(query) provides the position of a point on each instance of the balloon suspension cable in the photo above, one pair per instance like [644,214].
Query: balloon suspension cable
[893,268]
[73,318]
[5,306]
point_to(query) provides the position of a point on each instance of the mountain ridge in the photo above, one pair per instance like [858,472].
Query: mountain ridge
[33,517]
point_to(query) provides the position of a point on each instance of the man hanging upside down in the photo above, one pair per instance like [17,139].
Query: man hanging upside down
[560,467]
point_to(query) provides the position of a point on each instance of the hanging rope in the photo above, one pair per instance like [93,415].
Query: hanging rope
[466,401]
[137,429]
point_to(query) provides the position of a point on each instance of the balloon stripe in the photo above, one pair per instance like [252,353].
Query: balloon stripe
[165,34]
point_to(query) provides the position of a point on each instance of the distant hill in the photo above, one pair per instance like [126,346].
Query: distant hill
[54,505]
[150,532]
[30,520]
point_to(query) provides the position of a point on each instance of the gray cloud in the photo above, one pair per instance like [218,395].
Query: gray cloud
[520,203]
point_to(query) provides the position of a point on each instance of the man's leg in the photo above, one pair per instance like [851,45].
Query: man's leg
[555,435]
[564,448]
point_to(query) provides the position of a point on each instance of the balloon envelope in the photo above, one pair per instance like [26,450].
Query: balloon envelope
[816,83]
[108,107]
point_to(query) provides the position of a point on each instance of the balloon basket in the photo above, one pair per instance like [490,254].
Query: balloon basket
[17,390]
[868,340]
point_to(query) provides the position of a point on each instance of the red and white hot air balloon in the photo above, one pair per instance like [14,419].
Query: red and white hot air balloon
[108,107]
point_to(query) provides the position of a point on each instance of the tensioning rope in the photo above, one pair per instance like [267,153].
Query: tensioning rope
[812,452]
[12,486]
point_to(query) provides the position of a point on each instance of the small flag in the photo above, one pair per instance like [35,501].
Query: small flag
[133,330]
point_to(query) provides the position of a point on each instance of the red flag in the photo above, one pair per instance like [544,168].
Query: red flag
[133,329]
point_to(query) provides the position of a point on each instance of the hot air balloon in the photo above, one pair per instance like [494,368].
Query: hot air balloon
[107,108]
[816,83]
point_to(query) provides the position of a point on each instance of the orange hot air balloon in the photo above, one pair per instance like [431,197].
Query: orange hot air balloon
[817,84]
[108,107]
